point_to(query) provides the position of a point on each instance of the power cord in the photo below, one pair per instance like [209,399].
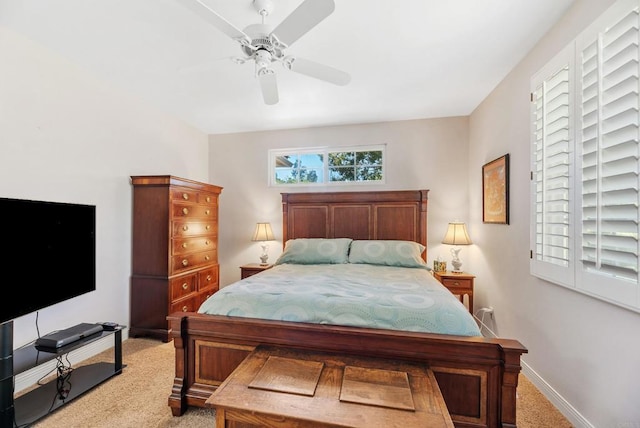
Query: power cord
[484,311]
[64,374]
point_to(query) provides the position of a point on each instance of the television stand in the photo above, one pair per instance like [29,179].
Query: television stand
[43,400]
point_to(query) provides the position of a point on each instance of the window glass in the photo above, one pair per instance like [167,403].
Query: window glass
[299,168]
[327,166]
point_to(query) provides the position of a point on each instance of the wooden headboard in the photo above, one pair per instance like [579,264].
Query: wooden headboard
[399,215]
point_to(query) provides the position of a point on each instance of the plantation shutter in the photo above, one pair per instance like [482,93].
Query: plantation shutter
[551,171]
[585,180]
[608,154]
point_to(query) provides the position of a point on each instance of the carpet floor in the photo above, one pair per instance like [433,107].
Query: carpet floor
[137,398]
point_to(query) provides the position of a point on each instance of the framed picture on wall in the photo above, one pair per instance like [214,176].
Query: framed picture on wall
[495,191]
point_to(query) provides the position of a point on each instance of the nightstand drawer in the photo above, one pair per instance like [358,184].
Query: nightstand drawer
[251,269]
[453,284]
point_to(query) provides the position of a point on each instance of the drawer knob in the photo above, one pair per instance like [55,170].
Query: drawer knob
[185,262]
[208,227]
[207,212]
[207,257]
[208,278]
[185,286]
[185,211]
[184,308]
[206,242]
[185,227]
[184,245]
[185,196]
[208,198]
[456,283]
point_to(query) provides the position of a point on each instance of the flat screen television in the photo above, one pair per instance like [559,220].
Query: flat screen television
[50,254]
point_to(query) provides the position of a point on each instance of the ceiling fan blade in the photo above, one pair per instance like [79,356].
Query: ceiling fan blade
[212,17]
[210,65]
[302,19]
[318,71]
[269,86]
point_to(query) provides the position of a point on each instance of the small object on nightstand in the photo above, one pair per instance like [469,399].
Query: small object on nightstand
[459,284]
[252,269]
[439,265]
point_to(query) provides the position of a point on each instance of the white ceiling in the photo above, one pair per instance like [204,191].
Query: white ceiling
[408,59]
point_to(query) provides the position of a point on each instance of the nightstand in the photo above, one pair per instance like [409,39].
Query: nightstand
[251,269]
[459,284]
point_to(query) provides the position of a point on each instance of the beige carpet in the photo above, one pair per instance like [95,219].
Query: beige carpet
[138,397]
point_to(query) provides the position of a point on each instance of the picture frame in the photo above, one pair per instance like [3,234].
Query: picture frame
[495,191]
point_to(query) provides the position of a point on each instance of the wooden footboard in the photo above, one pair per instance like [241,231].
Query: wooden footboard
[478,376]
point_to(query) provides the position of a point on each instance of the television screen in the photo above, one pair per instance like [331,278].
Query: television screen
[50,254]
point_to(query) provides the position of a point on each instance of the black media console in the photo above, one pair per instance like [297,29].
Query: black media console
[45,399]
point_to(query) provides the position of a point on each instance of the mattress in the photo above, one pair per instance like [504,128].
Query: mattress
[358,295]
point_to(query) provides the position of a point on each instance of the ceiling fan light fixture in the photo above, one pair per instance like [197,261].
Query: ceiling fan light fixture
[262,58]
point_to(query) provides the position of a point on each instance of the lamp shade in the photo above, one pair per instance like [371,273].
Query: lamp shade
[457,234]
[263,232]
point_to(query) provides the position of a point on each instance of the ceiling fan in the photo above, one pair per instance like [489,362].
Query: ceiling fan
[265,46]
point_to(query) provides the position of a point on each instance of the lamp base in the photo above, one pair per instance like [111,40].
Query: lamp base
[456,263]
[265,254]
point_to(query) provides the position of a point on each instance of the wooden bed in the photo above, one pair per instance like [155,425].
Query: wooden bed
[477,376]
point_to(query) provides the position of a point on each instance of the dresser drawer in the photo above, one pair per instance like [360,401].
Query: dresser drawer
[192,245]
[185,195]
[187,262]
[193,211]
[183,286]
[194,196]
[205,294]
[194,228]
[208,278]
[186,305]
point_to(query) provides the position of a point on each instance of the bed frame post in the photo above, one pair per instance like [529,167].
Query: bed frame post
[424,194]
[509,384]
[285,218]
[177,399]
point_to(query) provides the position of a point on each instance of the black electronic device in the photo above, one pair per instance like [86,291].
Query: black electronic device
[109,326]
[67,336]
[52,247]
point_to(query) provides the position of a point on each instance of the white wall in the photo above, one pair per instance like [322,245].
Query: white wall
[67,137]
[583,353]
[420,154]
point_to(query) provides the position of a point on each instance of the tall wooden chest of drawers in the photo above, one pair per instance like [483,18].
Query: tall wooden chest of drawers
[175,250]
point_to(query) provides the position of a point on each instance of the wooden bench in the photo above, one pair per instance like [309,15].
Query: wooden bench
[280,387]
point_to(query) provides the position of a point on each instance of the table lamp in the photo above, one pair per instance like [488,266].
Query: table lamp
[263,233]
[456,235]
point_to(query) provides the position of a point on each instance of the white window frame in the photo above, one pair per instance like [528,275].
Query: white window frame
[324,151]
[590,59]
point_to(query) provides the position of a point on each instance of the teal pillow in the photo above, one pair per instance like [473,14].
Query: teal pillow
[312,251]
[388,253]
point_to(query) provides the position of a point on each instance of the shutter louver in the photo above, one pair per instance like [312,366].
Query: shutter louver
[610,151]
[552,166]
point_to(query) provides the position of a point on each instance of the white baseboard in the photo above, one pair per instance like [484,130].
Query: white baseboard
[569,412]
[563,406]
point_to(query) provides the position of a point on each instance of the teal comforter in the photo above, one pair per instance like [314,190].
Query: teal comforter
[358,295]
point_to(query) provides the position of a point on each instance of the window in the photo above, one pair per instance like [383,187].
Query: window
[326,166]
[585,196]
